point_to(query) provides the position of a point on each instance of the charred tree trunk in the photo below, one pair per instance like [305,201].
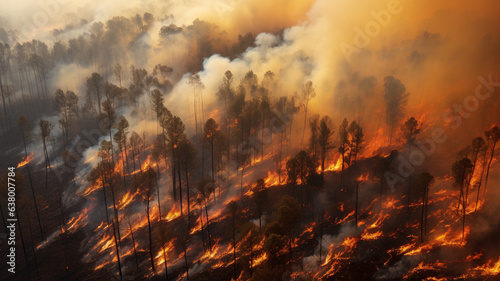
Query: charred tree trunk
[188,200]
[212,154]
[105,202]
[173,175]
[251,253]
[184,248]
[32,189]
[356,205]
[150,238]
[323,157]
[133,243]
[4,103]
[321,234]
[342,170]
[483,167]
[133,160]
[61,212]
[422,217]
[259,196]
[201,223]
[489,164]
[208,227]
[234,245]
[180,188]
[3,221]
[47,164]
[123,163]
[117,253]
[116,215]
[33,246]
[158,190]
[305,123]
[22,239]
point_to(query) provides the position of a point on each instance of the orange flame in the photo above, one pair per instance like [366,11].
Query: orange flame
[25,161]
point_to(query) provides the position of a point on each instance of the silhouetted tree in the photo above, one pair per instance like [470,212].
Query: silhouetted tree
[258,192]
[19,181]
[395,97]
[324,139]
[461,171]
[343,147]
[120,137]
[424,180]
[108,118]
[248,238]
[163,234]
[135,142]
[313,140]
[133,241]
[194,81]
[24,124]
[187,162]
[288,213]
[117,71]
[233,211]
[381,167]
[210,134]
[307,94]
[175,135]
[477,146]
[356,139]
[45,130]
[204,194]
[165,147]
[157,106]
[146,182]
[94,89]
[410,129]
[493,136]
[66,106]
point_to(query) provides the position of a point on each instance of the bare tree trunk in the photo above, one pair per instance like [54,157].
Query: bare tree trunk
[180,188]
[356,205]
[184,248]
[213,178]
[201,223]
[116,215]
[158,190]
[3,221]
[422,218]
[208,227]
[33,246]
[234,245]
[488,168]
[188,200]
[105,202]
[150,238]
[32,189]
[117,253]
[133,242]
[173,175]
[305,123]
[22,239]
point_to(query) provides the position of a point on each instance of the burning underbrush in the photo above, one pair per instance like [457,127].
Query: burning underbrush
[359,230]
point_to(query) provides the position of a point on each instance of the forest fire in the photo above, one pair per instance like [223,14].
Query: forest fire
[211,143]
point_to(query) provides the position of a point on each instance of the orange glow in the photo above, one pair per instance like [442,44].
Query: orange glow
[337,166]
[25,161]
